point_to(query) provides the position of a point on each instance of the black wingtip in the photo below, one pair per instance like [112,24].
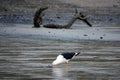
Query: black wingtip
[77,53]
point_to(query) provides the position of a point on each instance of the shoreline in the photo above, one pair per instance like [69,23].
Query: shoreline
[81,33]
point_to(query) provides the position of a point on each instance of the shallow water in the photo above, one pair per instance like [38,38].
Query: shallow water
[29,59]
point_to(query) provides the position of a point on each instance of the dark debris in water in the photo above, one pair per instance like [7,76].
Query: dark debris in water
[101,37]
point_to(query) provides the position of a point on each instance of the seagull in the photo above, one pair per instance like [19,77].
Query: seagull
[64,57]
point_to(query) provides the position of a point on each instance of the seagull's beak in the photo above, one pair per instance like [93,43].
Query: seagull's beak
[50,66]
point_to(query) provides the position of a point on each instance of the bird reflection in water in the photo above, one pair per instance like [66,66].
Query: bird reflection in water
[60,71]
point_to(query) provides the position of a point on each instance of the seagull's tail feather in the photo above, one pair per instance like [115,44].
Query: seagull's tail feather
[77,53]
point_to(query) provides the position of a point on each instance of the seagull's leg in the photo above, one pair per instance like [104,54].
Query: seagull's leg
[67,62]
[65,65]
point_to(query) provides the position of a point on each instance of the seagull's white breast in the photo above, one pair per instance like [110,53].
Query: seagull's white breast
[59,59]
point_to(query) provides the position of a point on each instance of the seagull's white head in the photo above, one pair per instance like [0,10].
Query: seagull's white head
[55,62]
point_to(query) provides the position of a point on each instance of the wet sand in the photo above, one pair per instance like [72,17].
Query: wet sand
[76,33]
[29,59]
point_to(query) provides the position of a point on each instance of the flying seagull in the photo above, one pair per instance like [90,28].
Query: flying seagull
[64,57]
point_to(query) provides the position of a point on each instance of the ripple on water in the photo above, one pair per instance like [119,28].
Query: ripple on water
[29,59]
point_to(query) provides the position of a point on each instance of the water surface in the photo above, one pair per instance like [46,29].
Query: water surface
[29,59]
